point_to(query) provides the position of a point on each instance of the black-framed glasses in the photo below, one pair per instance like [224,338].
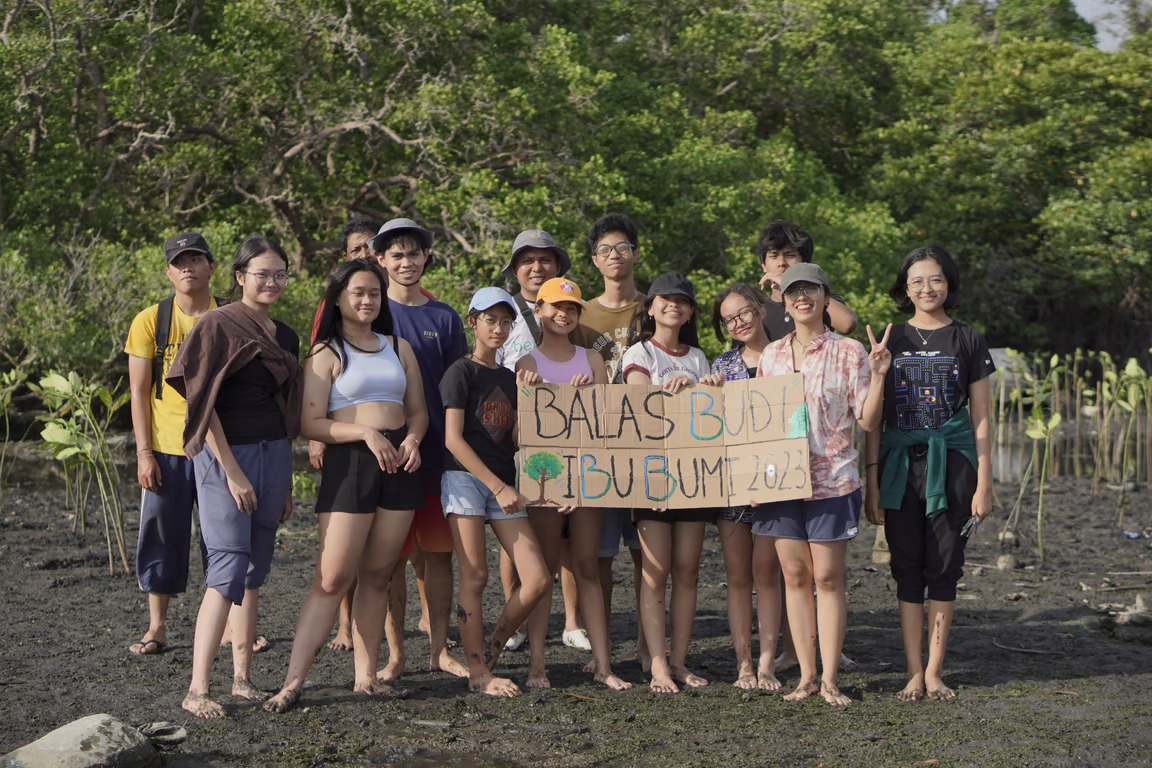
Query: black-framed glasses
[624,248]
[743,317]
[280,278]
[811,290]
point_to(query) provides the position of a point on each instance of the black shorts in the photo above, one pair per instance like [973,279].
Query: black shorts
[707,515]
[352,480]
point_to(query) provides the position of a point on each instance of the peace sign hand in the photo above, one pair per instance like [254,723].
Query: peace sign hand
[879,359]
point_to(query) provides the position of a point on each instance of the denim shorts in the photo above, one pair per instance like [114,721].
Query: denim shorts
[819,520]
[462,494]
[738,514]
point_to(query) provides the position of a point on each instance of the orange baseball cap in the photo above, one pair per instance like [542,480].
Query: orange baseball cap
[559,289]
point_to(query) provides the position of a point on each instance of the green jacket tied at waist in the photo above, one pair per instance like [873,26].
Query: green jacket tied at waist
[953,435]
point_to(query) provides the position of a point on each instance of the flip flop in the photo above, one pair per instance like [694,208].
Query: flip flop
[147,647]
[164,734]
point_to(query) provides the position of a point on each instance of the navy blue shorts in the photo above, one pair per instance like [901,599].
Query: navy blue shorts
[819,520]
[162,547]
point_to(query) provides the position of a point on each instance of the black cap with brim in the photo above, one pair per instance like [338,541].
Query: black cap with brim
[672,284]
[395,227]
[184,242]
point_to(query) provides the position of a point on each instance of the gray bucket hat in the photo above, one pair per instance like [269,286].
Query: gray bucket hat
[536,238]
[379,243]
[804,273]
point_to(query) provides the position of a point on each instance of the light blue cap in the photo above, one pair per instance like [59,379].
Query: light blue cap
[486,298]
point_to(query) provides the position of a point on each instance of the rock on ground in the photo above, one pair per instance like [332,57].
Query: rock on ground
[96,741]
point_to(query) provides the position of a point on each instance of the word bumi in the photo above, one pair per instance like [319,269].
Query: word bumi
[619,445]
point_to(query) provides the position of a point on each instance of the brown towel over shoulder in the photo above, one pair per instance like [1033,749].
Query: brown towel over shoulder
[222,342]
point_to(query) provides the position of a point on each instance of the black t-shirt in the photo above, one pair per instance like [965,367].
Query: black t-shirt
[931,373]
[779,323]
[247,404]
[488,398]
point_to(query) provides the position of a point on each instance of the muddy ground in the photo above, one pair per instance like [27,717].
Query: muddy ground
[1044,677]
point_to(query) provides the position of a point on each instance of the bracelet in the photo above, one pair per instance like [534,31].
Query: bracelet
[412,437]
[871,464]
[145,453]
[501,488]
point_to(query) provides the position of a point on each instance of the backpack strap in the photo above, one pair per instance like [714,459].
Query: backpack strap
[163,328]
[529,318]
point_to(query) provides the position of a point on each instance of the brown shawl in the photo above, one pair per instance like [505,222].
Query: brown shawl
[222,342]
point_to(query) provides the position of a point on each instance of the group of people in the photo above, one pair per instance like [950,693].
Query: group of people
[414,431]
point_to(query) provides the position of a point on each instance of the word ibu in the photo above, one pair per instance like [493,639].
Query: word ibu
[638,446]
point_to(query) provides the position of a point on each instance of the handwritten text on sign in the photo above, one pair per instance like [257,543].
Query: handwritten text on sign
[618,445]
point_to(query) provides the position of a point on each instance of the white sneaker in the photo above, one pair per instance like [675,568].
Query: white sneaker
[518,639]
[577,638]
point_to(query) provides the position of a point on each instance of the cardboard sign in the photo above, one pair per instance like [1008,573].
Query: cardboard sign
[619,445]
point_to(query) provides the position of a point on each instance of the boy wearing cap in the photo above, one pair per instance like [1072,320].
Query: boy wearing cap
[780,245]
[607,328]
[403,248]
[162,469]
[536,258]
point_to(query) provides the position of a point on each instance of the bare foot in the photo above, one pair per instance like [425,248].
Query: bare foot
[914,691]
[445,663]
[246,690]
[393,670]
[283,701]
[150,644]
[612,681]
[423,625]
[766,681]
[785,662]
[803,690]
[847,664]
[373,687]
[589,668]
[342,641]
[537,677]
[201,706]
[688,677]
[259,645]
[662,684]
[941,693]
[745,677]
[833,696]
[494,686]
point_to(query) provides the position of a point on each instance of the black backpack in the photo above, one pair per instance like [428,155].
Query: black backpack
[163,329]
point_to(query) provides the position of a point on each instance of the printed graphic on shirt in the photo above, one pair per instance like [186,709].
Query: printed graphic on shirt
[925,383]
[497,414]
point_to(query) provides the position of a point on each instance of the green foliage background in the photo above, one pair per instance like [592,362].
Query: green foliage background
[996,130]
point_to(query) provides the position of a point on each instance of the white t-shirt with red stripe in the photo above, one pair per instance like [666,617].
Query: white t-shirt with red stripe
[660,363]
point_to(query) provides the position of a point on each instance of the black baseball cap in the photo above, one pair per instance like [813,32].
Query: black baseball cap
[184,242]
[672,284]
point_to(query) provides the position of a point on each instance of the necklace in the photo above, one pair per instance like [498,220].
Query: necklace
[796,340]
[923,338]
[361,349]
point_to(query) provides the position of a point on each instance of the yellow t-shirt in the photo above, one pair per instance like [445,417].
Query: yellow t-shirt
[167,413]
[607,332]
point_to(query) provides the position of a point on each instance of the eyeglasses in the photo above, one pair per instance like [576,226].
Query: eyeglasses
[808,289]
[936,283]
[493,323]
[742,317]
[280,278]
[623,248]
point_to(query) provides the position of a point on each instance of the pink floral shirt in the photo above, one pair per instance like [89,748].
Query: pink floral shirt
[836,381]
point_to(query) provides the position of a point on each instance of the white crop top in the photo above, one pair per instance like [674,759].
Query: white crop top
[369,377]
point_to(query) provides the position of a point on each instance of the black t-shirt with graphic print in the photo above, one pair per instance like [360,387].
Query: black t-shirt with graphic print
[488,398]
[931,374]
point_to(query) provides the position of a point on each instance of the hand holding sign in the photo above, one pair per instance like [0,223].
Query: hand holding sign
[880,358]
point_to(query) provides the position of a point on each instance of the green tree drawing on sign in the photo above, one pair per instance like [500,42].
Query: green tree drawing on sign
[543,466]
